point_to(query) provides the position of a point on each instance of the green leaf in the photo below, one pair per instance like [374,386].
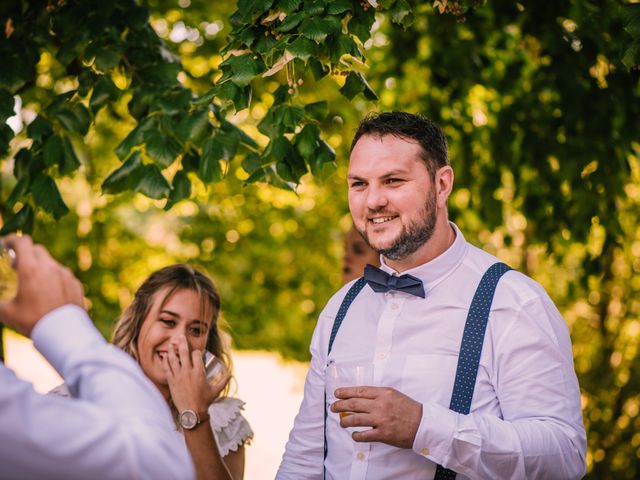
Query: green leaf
[291,21]
[104,91]
[318,69]
[175,100]
[323,163]
[243,137]
[21,221]
[317,111]
[20,189]
[306,141]
[52,151]
[209,169]
[290,164]
[193,126]
[356,84]
[631,58]
[22,162]
[39,129]
[302,48]
[630,16]
[108,57]
[46,196]
[271,124]
[70,162]
[252,162]
[343,45]
[318,29]
[75,118]
[141,102]
[6,134]
[191,161]
[152,183]
[125,177]
[250,10]
[336,7]
[361,23]
[292,115]
[205,99]
[313,8]
[181,189]
[241,69]
[162,148]
[6,105]
[401,14]
[135,137]
[87,79]
[228,142]
[288,6]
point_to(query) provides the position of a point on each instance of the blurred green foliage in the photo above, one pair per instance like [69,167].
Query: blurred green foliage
[540,102]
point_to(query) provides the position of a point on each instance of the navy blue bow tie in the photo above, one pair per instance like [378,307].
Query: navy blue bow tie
[381,281]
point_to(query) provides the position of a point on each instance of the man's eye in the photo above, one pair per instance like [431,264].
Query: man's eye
[358,184]
[394,180]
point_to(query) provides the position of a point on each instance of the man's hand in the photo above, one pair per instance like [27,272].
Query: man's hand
[43,285]
[395,418]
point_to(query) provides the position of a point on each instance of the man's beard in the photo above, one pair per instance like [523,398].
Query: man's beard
[413,236]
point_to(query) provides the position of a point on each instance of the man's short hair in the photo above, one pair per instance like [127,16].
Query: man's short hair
[433,144]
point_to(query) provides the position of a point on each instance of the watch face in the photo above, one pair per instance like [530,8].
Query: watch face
[188,419]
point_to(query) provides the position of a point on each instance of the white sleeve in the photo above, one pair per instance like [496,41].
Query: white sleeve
[116,426]
[230,428]
[541,434]
[304,452]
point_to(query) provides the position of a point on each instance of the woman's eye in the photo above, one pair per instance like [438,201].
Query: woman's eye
[196,331]
[168,322]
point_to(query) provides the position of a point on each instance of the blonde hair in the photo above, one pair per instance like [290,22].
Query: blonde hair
[174,277]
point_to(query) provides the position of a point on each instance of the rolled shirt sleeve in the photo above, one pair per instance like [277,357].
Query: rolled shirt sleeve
[540,433]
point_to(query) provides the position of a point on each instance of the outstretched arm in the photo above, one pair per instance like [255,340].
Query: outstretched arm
[117,426]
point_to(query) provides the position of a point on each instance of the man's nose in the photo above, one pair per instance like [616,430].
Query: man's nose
[376,197]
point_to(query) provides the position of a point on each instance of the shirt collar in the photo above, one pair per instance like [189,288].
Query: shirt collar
[436,270]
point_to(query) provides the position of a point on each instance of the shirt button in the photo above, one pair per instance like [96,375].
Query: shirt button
[360,456]
[394,306]
[382,355]
[424,451]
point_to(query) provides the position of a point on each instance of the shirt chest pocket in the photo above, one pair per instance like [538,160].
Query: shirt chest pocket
[429,378]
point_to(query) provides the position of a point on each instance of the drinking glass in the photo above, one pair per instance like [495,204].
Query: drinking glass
[214,368]
[339,375]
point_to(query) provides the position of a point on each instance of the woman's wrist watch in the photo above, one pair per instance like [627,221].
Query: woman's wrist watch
[190,419]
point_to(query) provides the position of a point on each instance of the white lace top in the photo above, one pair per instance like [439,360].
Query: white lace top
[230,429]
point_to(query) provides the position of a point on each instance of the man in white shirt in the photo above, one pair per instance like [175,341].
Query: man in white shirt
[118,426]
[525,418]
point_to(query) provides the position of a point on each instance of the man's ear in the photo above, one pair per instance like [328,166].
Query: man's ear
[444,185]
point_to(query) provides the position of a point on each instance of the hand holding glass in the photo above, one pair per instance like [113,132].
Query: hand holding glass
[339,375]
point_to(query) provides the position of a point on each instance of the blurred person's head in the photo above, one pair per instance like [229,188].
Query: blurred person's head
[357,254]
[173,301]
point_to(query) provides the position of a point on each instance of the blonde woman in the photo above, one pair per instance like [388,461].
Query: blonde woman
[168,329]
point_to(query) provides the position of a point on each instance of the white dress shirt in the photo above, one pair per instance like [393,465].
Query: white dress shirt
[118,426]
[525,419]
